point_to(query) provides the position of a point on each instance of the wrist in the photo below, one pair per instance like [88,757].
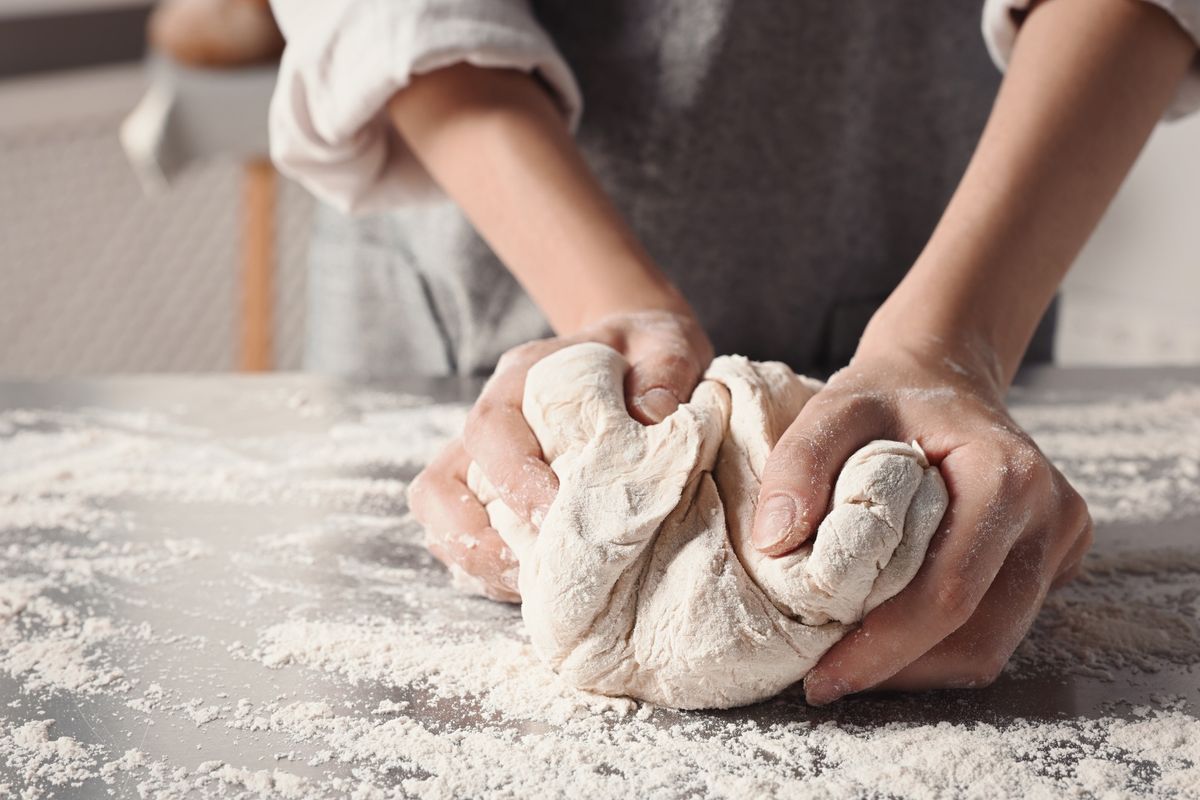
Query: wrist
[618,290]
[962,348]
[965,302]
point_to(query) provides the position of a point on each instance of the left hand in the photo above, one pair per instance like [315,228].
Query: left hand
[1014,528]
[669,353]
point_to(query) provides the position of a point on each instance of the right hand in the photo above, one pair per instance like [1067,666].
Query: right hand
[668,352]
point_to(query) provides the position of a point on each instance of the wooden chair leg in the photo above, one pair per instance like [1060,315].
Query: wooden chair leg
[258,268]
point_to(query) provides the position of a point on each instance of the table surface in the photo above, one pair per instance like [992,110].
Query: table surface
[211,585]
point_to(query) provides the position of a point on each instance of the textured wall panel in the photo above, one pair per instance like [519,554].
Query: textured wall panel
[96,277]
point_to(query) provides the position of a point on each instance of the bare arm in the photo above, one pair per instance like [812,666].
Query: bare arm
[1087,82]
[495,142]
[1089,79]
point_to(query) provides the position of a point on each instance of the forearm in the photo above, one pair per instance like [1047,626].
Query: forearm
[1087,83]
[494,141]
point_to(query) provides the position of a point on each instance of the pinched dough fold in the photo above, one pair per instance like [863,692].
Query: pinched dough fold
[642,580]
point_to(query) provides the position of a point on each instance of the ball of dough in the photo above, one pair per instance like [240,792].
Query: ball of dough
[642,581]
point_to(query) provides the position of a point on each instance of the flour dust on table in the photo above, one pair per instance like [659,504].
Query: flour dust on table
[642,580]
[211,587]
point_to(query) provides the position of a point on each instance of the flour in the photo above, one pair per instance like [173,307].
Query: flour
[61,466]
[269,783]
[64,655]
[129,761]
[1136,610]
[504,676]
[37,758]
[1133,459]
[341,662]
[202,715]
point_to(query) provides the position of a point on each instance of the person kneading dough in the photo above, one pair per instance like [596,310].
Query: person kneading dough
[844,187]
[642,580]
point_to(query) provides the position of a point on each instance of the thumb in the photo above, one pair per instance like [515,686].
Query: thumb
[799,477]
[658,383]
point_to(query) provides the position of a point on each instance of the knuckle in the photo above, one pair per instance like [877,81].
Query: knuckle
[507,359]
[484,407]
[845,413]
[672,370]
[677,364]
[990,479]
[416,493]
[1078,517]
[523,355]
[1023,469]
[502,476]
[480,419]
[1088,536]
[954,600]
[613,335]
[862,405]
[1078,545]
[509,478]
[423,493]
[825,402]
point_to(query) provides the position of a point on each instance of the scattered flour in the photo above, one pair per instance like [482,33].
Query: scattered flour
[332,658]
[1135,611]
[1133,459]
[37,759]
[65,657]
[500,672]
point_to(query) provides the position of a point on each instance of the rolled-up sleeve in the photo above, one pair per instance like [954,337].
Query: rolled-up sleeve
[346,58]
[1001,19]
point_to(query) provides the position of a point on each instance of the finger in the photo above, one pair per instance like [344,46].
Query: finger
[486,559]
[659,382]
[471,575]
[803,466]
[457,527]
[975,654]
[499,440]
[459,530]
[430,486]
[989,509]
[1072,562]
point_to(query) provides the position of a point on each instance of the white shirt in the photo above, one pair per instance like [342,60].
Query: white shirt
[346,58]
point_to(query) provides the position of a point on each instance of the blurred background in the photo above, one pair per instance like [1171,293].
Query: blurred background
[136,236]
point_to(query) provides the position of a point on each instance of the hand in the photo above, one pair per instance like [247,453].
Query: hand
[668,352]
[1014,528]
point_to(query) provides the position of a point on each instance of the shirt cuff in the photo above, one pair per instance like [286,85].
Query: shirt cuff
[328,122]
[1002,18]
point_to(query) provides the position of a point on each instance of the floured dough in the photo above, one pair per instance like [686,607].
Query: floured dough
[642,580]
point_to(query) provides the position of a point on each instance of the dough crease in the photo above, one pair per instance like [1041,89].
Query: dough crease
[642,580]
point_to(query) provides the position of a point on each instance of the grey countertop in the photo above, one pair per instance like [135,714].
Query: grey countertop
[193,571]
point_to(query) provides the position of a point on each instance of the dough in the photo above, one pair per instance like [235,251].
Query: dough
[642,580]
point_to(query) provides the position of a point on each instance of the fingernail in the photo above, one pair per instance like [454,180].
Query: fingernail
[777,517]
[823,692]
[657,404]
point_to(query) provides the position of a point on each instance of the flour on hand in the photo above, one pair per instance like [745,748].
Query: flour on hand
[642,580]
